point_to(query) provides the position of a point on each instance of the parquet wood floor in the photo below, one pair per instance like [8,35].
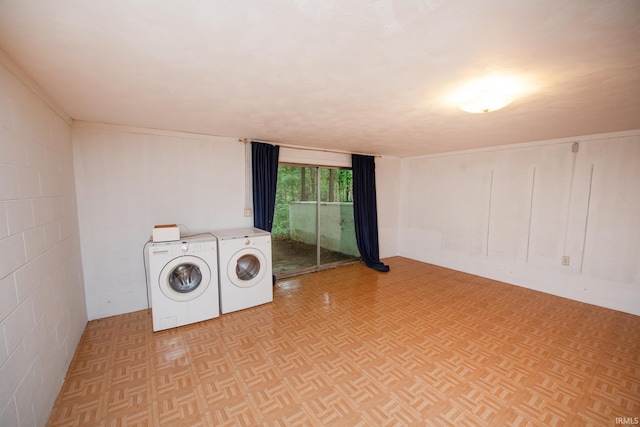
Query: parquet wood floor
[419,346]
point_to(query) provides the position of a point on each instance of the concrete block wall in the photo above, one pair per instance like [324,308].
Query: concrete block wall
[42,300]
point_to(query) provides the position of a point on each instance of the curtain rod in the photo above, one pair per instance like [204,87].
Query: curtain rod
[301,147]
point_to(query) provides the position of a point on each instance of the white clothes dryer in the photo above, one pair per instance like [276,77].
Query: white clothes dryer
[245,270]
[183,277]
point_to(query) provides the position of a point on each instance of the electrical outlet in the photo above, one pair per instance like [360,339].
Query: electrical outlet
[247,212]
[566,260]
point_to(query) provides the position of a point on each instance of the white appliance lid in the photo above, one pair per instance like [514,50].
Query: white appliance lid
[239,233]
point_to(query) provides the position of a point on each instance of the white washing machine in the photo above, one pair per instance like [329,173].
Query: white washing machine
[244,268]
[183,277]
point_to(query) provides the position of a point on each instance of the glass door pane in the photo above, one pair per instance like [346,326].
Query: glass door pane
[337,230]
[295,220]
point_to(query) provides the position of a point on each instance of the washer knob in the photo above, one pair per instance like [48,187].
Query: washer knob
[184,248]
[247,242]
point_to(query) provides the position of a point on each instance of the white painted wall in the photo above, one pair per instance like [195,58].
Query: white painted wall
[42,308]
[303,156]
[511,214]
[130,179]
[388,192]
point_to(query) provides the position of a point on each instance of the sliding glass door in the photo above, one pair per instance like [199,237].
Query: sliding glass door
[313,221]
[295,220]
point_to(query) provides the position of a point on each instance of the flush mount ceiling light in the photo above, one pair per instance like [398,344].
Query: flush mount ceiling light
[488,94]
[486,100]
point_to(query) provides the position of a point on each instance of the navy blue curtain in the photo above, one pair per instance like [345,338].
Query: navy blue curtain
[264,165]
[365,211]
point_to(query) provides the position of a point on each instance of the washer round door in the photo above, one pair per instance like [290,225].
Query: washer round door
[247,268]
[185,278]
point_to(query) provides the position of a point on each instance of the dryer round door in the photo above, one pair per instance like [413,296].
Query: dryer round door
[185,278]
[247,268]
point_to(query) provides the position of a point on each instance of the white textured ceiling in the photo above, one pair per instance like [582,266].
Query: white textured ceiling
[368,76]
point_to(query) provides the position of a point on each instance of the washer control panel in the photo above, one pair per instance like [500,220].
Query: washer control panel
[183,247]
